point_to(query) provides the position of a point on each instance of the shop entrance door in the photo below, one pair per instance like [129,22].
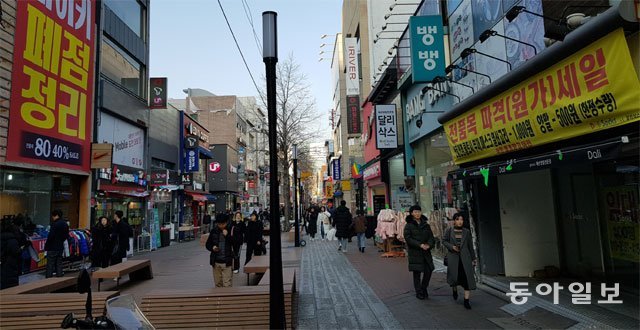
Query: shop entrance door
[528,220]
[587,258]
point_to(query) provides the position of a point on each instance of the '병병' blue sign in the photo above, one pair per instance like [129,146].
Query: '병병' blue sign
[427,47]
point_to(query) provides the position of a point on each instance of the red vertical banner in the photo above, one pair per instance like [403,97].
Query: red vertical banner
[353,114]
[50,119]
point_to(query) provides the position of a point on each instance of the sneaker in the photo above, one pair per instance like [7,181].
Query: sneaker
[340,248]
[236,271]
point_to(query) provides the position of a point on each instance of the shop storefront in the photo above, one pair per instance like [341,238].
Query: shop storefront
[376,189]
[555,175]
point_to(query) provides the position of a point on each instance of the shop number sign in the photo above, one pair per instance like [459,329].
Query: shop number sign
[52,84]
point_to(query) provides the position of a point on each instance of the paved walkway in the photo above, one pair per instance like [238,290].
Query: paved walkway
[333,295]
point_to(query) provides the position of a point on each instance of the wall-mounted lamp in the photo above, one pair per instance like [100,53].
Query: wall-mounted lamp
[516,10]
[427,88]
[439,79]
[468,51]
[450,68]
[386,17]
[393,5]
[384,27]
[489,33]
[326,35]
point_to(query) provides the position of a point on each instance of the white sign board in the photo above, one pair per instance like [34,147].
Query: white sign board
[351,63]
[386,126]
[127,139]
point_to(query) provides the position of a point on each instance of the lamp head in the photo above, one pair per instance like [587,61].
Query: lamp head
[384,27]
[450,68]
[486,34]
[391,7]
[387,16]
[466,52]
[513,13]
[269,35]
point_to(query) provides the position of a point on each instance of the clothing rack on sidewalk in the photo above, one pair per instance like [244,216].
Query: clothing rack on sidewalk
[390,231]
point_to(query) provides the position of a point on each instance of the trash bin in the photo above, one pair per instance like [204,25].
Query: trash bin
[164,237]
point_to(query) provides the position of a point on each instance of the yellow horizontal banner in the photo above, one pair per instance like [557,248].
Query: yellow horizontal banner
[594,89]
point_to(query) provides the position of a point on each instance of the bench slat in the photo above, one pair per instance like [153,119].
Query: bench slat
[121,269]
[42,286]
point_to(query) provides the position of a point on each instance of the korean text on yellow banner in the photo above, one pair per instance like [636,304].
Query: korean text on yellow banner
[594,89]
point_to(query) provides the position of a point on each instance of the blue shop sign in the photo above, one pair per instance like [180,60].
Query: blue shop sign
[421,110]
[427,47]
[337,175]
[192,161]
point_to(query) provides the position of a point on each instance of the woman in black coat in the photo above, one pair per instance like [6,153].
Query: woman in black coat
[11,256]
[312,225]
[420,240]
[461,258]
[253,237]
[238,230]
[102,244]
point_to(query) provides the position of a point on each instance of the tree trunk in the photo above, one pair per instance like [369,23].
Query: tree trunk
[286,186]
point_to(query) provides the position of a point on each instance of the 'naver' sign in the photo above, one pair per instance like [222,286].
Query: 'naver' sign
[427,47]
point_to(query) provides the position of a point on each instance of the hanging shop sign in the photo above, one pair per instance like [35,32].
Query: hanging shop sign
[101,155]
[590,91]
[337,170]
[427,47]
[191,142]
[192,161]
[328,189]
[123,174]
[52,84]
[372,172]
[351,59]
[386,126]
[158,91]
[186,179]
[198,132]
[158,177]
[353,117]
[127,139]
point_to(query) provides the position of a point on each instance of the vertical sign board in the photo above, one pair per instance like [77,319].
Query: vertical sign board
[386,128]
[158,93]
[192,163]
[351,59]
[353,111]
[337,175]
[52,84]
[427,47]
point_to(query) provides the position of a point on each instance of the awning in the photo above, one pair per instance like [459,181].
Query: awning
[562,157]
[204,153]
[198,197]
[123,190]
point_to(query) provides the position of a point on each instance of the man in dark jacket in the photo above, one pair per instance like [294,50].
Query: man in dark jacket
[221,258]
[10,261]
[120,237]
[54,245]
[342,221]
[420,240]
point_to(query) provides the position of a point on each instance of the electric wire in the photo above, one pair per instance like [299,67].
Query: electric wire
[240,50]
[247,12]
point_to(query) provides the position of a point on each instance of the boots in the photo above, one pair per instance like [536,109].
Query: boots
[455,293]
[362,249]
[467,305]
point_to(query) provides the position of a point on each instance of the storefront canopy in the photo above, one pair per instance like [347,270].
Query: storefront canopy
[200,197]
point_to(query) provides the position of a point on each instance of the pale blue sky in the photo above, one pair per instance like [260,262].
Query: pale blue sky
[192,46]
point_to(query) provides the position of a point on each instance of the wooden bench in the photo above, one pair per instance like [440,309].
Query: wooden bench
[260,264]
[136,269]
[216,308]
[42,286]
[47,310]
[288,277]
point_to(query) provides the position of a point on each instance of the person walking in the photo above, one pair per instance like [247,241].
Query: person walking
[312,223]
[238,229]
[324,222]
[253,237]
[461,259]
[343,222]
[206,223]
[360,227]
[102,244]
[220,244]
[11,255]
[120,237]
[54,246]
[420,240]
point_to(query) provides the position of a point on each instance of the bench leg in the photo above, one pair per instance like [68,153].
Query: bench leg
[99,281]
[141,274]
[248,278]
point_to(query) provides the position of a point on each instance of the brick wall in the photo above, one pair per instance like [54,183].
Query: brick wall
[7,31]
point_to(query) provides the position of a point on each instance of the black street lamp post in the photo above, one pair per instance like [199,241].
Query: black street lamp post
[270,57]
[295,193]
